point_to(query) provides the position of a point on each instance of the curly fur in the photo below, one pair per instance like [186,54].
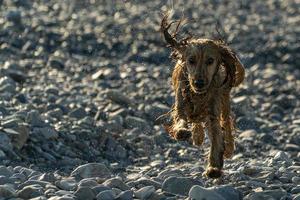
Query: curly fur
[193,111]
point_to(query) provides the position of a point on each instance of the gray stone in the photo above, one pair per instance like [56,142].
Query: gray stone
[100,188]
[276,194]
[78,113]
[84,193]
[248,134]
[2,154]
[64,197]
[5,142]
[125,195]
[7,192]
[5,180]
[4,171]
[14,16]
[55,63]
[136,122]
[67,184]
[179,185]
[117,97]
[258,196]
[116,183]
[146,182]
[106,195]
[47,133]
[34,118]
[35,183]
[295,190]
[91,170]
[281,156]
[88,182]
[30,191]
[228,192]
[168,173]
[199,193]
[19,135]
[144,192]
[297,197]
[156,110]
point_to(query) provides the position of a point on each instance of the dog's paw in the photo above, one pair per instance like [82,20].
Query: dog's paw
[229,150]
[183,135]
[213,172]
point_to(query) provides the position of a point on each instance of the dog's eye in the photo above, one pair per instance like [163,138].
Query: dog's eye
[192,60]
[209,61]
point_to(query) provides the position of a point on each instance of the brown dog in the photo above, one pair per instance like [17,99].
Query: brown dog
[205,72]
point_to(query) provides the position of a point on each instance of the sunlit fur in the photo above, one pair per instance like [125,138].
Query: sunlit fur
[209,107]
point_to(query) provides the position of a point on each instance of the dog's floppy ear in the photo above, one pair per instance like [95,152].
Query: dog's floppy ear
[234,68]
[178,46]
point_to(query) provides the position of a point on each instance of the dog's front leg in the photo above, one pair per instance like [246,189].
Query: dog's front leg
[227,125]
[180,125]
[215,165]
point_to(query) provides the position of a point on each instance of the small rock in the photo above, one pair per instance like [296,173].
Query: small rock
[91,170]
[106,195]
[55,63]
[5,172]
[228,192]
[78,113]
[19,136]
[84,193]
[88,182]
[179,185]
[199,193]
[30,191]
[47,133]
[248,134]
[34,118]
[125,195]
[67,184]
[145,192]
[281,156]
[14,16]
[118,97]
[116,183]
[156,110]
[297,197]
[100,188]
[258,196]
[7,192]
[136,122]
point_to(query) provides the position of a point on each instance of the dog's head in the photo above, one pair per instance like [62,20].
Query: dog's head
[202,58]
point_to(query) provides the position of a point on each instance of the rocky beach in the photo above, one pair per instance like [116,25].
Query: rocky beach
[83,82]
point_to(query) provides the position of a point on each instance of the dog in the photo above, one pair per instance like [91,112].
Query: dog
[205,72]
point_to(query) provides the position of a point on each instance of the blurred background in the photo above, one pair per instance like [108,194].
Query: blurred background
[84,81]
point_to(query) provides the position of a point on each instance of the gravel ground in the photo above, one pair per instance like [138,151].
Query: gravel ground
[82,82]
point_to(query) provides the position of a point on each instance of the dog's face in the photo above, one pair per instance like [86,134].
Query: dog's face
[202,60]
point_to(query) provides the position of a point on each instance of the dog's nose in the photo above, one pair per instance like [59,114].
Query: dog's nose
[199,83]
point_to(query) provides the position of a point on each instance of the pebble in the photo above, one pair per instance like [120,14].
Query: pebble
[30,191]
[7,192]
[116,183]
[144,192]
[84,193]
[92,170]
[125,195]
[67,184]
[179,185]
[106,195]
[199,193]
